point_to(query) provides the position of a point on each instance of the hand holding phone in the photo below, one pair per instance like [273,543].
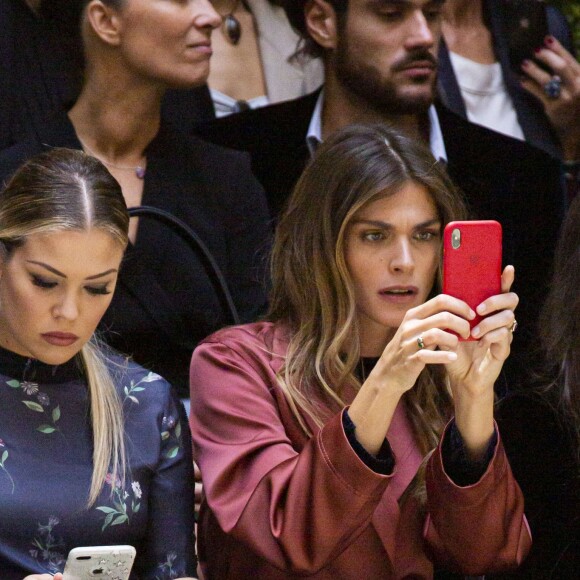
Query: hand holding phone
[472,256]
[107,562]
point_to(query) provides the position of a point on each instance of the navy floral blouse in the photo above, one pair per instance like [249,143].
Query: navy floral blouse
[46,467]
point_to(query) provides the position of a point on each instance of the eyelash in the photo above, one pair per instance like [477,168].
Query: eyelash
[425,236]
[92,290]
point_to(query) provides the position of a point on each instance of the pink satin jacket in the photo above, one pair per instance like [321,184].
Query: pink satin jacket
[280,505]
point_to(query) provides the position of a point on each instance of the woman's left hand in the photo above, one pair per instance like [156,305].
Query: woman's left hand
[472,376]
[479,363]
[563,110]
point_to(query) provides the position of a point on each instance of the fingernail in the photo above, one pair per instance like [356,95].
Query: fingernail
[538,49]
[525,63]
[481,308]
[476,332]
[549,40]
[452,356]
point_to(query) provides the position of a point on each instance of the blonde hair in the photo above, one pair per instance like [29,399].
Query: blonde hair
[312,290]
[66,190]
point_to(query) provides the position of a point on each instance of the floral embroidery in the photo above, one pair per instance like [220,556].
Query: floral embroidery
[170,569]
[171,433]
[2,461]
[123,505]
[135,388]
[29,388]
[45,547]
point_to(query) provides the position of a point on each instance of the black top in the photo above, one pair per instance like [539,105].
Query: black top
[46,468]
[165,302]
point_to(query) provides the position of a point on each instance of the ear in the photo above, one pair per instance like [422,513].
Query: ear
[320,18]
[104,22]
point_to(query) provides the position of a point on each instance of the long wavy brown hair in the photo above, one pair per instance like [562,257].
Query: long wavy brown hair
[312,290]
[560,322]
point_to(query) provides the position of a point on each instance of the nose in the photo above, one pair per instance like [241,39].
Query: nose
[423,32]
[67,307]
[205,15]
[402,260]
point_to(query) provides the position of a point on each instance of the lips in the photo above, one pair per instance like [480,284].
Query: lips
[399,294]
[60,338]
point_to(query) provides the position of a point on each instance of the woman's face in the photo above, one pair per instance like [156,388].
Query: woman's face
[392,253]
[167,41]
[54,289]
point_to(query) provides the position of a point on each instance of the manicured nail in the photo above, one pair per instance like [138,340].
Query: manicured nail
[476,332]
[538,49]
[549,40]
[526,63]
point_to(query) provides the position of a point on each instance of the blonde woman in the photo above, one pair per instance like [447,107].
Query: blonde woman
[93,450]
[309,427]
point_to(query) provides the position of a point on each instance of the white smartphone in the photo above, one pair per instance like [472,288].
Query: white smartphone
[93,562]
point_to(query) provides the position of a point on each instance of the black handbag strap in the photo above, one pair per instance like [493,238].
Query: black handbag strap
[200,249]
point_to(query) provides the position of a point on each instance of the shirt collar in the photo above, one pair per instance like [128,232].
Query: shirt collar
[436,142]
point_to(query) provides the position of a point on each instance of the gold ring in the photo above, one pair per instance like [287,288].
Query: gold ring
[420,342]
[514,326]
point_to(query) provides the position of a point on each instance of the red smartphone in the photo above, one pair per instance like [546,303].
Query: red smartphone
[472,255]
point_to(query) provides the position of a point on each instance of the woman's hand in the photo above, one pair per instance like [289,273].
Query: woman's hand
[402,361]
[564,110]
[472,376]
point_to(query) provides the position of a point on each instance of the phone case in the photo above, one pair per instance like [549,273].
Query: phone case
[525,26]
[108,562]
[472,262]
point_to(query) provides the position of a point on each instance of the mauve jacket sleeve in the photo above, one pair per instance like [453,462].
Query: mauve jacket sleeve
[296,508]
[479,528]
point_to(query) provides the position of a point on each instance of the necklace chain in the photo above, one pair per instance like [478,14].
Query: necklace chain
[139,170]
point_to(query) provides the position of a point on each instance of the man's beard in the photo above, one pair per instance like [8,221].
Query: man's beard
[382,95]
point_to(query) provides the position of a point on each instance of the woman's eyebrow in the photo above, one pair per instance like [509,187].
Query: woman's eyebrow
[386,225]
[57,273]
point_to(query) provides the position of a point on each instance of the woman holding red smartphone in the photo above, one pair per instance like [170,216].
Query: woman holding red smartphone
[351,434]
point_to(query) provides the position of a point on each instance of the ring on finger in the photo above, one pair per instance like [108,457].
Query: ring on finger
[514,326]
[420,342]
[553,87]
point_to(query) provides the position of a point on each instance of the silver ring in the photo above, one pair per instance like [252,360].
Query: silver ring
[514,326]
[420,342]
[553,87]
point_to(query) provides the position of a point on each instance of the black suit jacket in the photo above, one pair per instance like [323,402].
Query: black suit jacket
[502,178]
[529,110]
[165,302]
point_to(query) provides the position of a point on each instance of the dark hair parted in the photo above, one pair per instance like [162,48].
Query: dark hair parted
[62,189]
[312,291]
[560,320]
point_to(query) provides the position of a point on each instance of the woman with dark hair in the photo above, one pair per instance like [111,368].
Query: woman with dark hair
[166,302]
[93,449]
[541,426]
[309,427]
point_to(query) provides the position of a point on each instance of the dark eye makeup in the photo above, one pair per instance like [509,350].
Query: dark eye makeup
[46,285]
